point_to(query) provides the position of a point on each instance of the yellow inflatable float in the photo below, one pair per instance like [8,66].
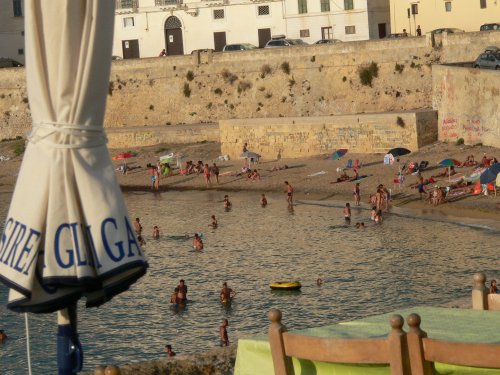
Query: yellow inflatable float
[285,285]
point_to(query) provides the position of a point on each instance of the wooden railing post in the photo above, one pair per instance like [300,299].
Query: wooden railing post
[419,366]
[479,292]
[398,348]
[283,365]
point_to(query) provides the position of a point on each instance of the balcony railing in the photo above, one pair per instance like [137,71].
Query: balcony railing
[160,3]
[127,4]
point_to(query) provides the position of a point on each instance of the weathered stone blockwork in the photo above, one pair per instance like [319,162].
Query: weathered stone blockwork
[299,137]
[468,102]
[139,137]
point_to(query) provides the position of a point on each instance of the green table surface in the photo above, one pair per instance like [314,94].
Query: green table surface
[461,325]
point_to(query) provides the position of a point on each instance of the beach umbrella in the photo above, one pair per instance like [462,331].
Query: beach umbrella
[67,234]
[398,151]
[339,153]
[490,174]
[126,155]
[249,155]
[449,163]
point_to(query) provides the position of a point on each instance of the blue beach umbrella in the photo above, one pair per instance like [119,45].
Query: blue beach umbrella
[67,233]
[490,174]
[339,153]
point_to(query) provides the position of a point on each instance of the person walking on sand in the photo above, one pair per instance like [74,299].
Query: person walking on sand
[357,194]
[215,172]
[157,179]
[206,173]
[224,339]
[289,193]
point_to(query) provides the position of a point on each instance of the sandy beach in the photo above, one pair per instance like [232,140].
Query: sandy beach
[311,177]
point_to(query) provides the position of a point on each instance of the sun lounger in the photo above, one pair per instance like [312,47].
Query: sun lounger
[423,164]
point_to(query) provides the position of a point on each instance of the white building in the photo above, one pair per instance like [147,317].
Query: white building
[144,27]
[12,30]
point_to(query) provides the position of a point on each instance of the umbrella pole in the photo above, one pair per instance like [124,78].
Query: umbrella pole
[69,349]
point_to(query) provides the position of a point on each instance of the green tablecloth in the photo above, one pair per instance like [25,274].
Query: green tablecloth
[254,355]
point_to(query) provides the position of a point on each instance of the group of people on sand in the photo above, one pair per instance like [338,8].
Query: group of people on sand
[380,200]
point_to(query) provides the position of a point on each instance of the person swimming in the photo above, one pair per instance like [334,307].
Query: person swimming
[214,223]
[227,202]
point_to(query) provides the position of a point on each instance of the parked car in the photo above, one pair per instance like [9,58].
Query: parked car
[284,42]
[488,61]
[449,30]
[490,26]
[328,41]
[239,47]
[491,49]
[9,63]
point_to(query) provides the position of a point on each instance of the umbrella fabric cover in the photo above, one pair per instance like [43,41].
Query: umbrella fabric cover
[490,174]
[67,232]
[398,151]
[449,163]
[123,156]
[338,154]
[249,155]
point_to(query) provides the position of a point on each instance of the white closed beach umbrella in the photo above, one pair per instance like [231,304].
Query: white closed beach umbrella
[67,233]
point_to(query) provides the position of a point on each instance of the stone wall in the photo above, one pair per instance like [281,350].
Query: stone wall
[468,102]
[308,136]
[153,135]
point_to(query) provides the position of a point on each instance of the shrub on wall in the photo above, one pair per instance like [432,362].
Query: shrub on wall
[367,74]
[189,75]
[228,76]
[399,68]
[400,122]
[244,86]
[218,91]
[265,70]
[285,67]
[187,90]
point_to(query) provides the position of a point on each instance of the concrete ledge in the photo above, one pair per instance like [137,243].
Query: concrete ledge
[309,136]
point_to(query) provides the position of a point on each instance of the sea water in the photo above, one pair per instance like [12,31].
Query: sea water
[404,262]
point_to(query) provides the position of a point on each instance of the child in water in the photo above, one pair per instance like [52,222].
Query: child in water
[378,217]
[197,242]
[156,232]
[227,203]
[347,212]
[214,223]
[373,213]
[263,201]
[224,339]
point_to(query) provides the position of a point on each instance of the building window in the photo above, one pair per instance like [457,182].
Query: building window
[302,6]
[348,4]
[263,10]
[128,22]
[447,6]
[304,33]
[350,29]
[126,4]
[218,14]
[327,32]
[482,4]
[18,10]
[414,9]
[325,5]
[20,51]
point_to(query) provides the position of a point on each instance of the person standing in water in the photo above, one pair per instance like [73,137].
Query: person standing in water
[263,201]
[289,193]
[224,339]
[156,232]
[347,213]
[197,242]
[227,203]
[214,223]
[357,194]
[137,226]
[226,294]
